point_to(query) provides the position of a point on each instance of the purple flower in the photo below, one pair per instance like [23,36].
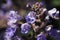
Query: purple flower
[31,17]
[25,28]
[11,29]
[41,36]
[42,3]
[53,33]
[13,17]
[9,32]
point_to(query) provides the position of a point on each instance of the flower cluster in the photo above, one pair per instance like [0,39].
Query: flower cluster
[39,20]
